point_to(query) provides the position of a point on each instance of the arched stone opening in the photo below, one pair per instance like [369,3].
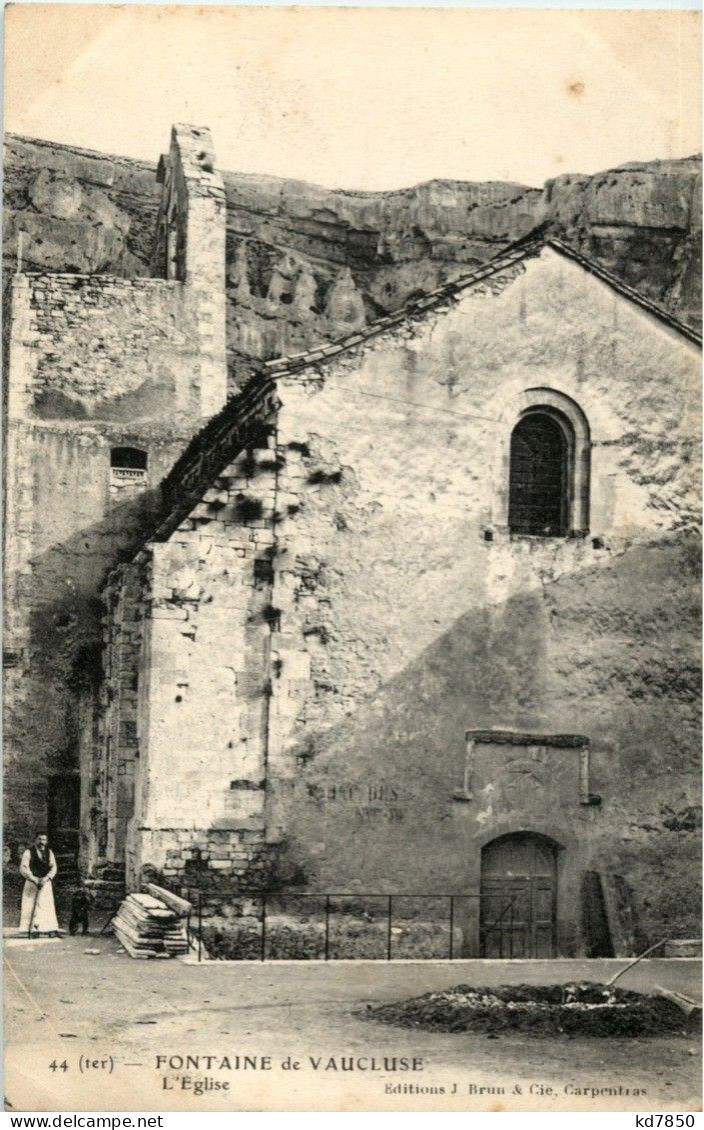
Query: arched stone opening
[543,466]
[542,443]
[519,893]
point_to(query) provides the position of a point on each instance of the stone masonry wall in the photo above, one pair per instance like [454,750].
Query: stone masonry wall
[205,685]
[346,602]
[66,529]
[112,783]
[93,362]
[409,614]
[190,246]
[102,348]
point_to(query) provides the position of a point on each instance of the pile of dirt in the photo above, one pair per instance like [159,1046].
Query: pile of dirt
[587,1009]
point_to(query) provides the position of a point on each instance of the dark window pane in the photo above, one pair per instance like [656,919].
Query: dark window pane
[538,477]
[128,457]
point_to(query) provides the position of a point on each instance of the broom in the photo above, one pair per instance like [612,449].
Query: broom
[34,910]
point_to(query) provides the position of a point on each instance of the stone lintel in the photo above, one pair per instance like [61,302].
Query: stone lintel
[518,737]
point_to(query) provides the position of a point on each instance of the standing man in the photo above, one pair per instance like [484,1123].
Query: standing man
[38,868]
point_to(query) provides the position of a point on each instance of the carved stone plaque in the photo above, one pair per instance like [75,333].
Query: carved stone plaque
[526,770]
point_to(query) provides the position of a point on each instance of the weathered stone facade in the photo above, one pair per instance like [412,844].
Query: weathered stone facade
[94,364]
[330,640]
[319,655]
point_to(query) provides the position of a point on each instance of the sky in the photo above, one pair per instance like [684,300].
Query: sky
[362,98]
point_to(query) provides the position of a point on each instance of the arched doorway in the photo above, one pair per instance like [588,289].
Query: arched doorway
[518,907]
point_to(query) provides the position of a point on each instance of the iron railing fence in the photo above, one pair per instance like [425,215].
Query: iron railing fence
[331,905]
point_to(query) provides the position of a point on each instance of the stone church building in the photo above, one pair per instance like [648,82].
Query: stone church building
[414,612]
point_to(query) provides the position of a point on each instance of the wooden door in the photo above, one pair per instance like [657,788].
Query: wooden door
[518,909]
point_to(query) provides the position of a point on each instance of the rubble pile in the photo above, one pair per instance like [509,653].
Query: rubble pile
[587,1009]
[147,926]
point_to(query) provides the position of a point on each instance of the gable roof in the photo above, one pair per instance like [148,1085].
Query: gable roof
[527,248]
[243,419]
[626,291]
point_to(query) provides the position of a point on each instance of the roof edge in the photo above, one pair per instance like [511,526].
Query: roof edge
[624,289]
[525,248]
[529,246]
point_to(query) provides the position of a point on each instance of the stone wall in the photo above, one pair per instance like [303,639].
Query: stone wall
[91,367]
[346,602]
[190,246]
[204,684]
[409,614]
[110,794]
[91,347]
[312,670]
[93,363]
[68,528]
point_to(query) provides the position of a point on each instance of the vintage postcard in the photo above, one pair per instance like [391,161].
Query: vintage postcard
[352,542]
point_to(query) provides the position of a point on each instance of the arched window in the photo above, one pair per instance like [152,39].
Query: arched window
[541,456]
[128,458]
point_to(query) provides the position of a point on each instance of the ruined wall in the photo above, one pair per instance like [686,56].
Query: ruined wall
[93,362]
[189,246]
[204,684]
[93,347]
[305,263]
[91,368]
[419,617]
[69,524]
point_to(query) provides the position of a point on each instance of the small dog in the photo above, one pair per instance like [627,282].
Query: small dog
[80,905]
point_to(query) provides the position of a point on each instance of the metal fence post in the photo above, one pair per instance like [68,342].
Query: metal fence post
[200,926]
[510,929]
[505,923]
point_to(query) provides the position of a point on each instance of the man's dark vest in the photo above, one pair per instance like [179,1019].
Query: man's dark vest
[39,865]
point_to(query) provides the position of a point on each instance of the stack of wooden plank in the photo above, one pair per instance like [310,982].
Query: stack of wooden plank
[152,924]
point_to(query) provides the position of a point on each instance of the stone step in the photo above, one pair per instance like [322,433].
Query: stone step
[67,868]
[683,947]
[105,884]
[112,872]
[105,893]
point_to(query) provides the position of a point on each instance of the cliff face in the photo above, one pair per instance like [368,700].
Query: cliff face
[306,264]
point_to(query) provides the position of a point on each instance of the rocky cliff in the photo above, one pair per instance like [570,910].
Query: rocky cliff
[307,264]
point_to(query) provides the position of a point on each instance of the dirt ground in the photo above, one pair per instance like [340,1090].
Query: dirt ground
[103,1020]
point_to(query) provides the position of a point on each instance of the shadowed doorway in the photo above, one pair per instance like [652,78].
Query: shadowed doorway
[64,813]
